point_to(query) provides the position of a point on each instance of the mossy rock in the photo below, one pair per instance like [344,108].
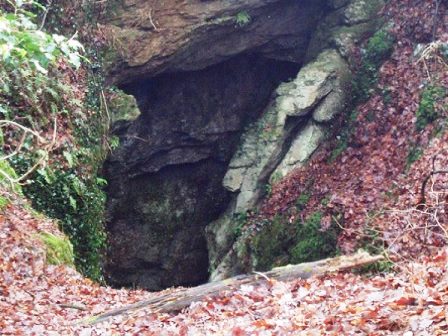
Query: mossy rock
[281,242]
[270,246]
[59,250]
[377,50]
[123,107]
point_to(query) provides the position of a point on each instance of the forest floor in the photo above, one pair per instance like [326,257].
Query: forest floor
[378,185]
[41,299]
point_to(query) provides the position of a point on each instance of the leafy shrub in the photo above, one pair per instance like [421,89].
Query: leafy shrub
[54,129]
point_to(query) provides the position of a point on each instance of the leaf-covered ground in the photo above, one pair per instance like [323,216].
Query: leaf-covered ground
[41,299]
[376,184]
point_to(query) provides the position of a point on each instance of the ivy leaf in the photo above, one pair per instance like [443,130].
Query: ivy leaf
[68,156]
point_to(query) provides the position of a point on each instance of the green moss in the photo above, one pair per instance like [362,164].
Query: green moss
[312,243]
[270,245]
[7,173]
[280,242]
[343,139]
[242,19]
[3,202]
[59,250]
[414,154]
[377,49]
[123,106]
[241,220]
[426,112]
[302,200]
[324,201]
[383,266]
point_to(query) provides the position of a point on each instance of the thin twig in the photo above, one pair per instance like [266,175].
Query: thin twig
[4,123]
[72,306]
[151,21]
[47,9]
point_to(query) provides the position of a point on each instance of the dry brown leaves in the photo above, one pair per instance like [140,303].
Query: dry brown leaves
[39,299]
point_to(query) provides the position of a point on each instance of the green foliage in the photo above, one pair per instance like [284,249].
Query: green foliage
[242,19]
[426,112]
[59,250]
[36,92]
[311,242]
[3,203]
[382,266]
[23,44]
[414,154]
[378,48]
[302,200]
[78,202]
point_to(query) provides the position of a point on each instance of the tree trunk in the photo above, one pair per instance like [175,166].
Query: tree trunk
[180,298]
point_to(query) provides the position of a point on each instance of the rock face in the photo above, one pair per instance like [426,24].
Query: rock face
[291,129]
[151,36]
[223,110]
[282,139]
[166,177]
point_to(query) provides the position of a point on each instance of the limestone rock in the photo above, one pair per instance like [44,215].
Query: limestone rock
[302,147]
[263,143]
[359,11]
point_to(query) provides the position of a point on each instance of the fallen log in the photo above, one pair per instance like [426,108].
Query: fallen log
[181,298]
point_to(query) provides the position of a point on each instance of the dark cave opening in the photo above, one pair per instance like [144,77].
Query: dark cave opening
[165,179]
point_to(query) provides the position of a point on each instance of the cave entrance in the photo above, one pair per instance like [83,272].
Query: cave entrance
[165,179]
